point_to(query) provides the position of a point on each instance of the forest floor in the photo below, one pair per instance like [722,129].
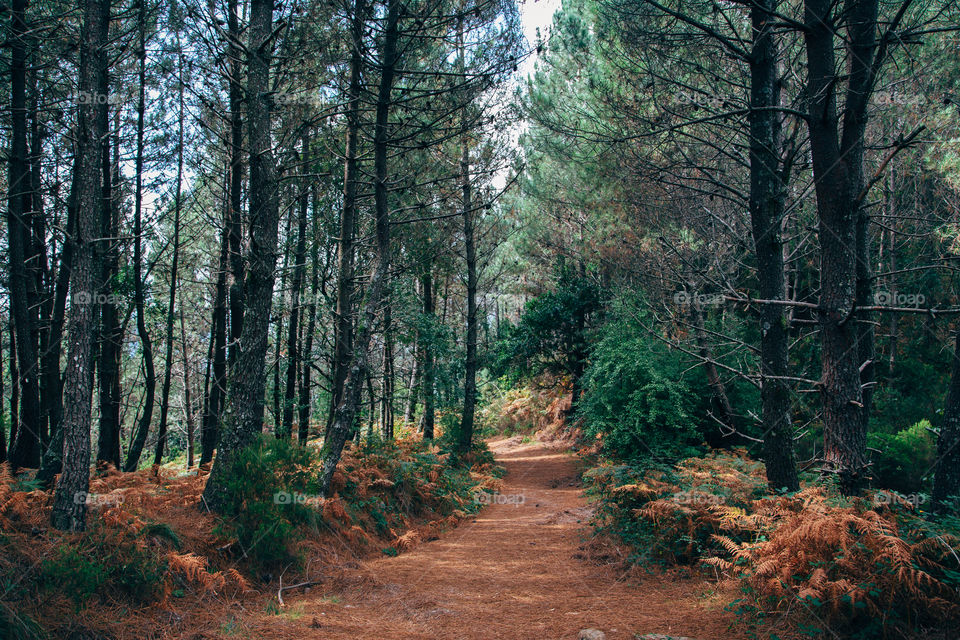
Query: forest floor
[519,569]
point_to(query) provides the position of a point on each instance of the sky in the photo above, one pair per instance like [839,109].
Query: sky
[536,14]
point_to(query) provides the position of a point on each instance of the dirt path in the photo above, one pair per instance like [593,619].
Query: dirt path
[510,573]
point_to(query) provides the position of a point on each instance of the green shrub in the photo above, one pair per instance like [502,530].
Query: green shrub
[634,398]
[901,460]
[553,334]
[260,509]
[74,573]
[110,565]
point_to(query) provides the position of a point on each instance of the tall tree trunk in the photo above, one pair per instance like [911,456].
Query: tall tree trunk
[307,358]
[889,207]
[946,481]
[720,400]
[343,332]
[187,403]
[866,332]
[838,173]
[386,406]
[235,224]
[49,382]
[470,365]
[300,257]
[342,425]
[213,405]
[767,193]
[111,333]
[3,429]
[372,410]
[69,502]
[146,345]
[278,336]
[25,448]
[14,384]
[428,384]
[174,268]
[413,397]
[243,417]
[52,460]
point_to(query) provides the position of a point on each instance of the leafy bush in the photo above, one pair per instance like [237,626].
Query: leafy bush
[921,373]
[901,460]
[634,397]
[260,508]
[553,332]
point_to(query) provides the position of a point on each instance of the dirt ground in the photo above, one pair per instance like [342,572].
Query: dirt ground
[516,571]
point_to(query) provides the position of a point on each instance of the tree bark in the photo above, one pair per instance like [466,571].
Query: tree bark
[25,448]
[342,425]
[243,417]
[235,224]
[838,174]
[69,502]
[3,430]
[146,345]
[767,193]
[343,332]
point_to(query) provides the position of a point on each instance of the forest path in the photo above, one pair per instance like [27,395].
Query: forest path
[512,572]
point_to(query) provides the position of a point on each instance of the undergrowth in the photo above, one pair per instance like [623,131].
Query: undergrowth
[869,567]
[151,547]
[541,406]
